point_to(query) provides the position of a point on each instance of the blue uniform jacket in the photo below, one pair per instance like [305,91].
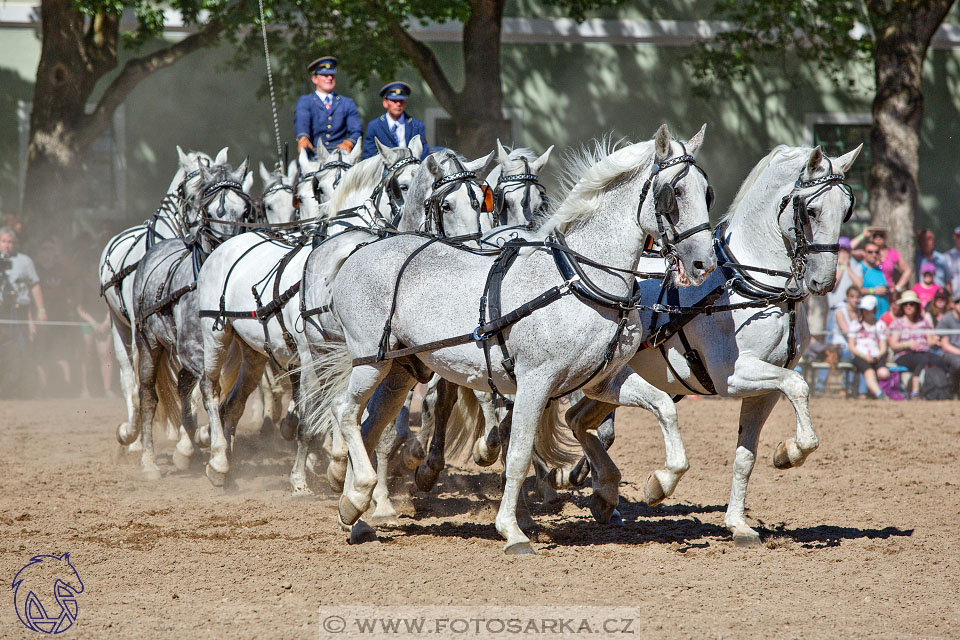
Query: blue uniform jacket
[380,129]
[329,128]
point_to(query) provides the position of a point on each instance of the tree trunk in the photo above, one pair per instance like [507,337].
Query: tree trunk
[903,37]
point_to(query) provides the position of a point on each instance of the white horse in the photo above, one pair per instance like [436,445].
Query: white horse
[166,311]
[749,352]
[278,203]
[560,343]
[266,325]
[119,261]
[318,178]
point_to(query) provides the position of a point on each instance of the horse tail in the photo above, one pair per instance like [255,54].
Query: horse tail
[465,424]
[332,366]
[551,443]
[168,397]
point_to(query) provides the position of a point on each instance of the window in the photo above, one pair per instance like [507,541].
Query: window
[837,134]
[440,129]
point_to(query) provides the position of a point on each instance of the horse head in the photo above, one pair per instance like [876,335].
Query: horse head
[279,205]
[221,201]
[454,203]
[400,168]
[678,211]
[518,196]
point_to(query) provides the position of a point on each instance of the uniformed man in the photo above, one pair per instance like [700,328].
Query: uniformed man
[324,117]
[395,128]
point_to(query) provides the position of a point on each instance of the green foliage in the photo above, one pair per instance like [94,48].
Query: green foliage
[767,33]
[150,16]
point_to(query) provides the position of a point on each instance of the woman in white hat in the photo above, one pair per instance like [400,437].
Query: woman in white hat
[911,337]
[867,339]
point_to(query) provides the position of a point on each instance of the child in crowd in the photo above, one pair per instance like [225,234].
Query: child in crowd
[938,306]
[926,289]
[867,340]
[911,337]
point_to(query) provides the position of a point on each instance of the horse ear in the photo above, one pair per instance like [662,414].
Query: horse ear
[248,182]
[264,174]
[662,141]
[816,158]
[502,156]
[846,160]
[416,146]
[322,154]
[240,174]
[292,171]
[433,167]
[478,165]
[541,162]
[384,151]
[357,152]
[221,156]
[183,158]
[693,144]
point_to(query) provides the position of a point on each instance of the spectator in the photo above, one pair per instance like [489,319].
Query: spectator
[911,337]
[19,287]
[926,288]
[927,254]
[838,326]
[938,306]
[950,342]
[894,312]
[849,274]
[874,281]
[953,262]
[867,340]
[894,266]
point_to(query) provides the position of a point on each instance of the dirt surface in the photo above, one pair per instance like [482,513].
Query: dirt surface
[859,542]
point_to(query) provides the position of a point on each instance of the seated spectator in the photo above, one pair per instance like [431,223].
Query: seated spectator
[892,314]
[867,340]
[950,342]
[849,274]
[874,281]
[938,306]
[953,262]
[926,288]
[911,337]
[838,326]
[895,267]
[927,254]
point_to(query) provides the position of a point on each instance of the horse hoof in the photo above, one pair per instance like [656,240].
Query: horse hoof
[216,478]
[180,461]
[336,472]
[348,511]
[288,427]
[653,493]
[787,455]
[746,540]
[601,510]
[483,455]
[362,532]
[203,436]
[615,519]
[425,477]
[124,435]
[301,492]
[151,473]
[523,548]
[411,454]
[580,473]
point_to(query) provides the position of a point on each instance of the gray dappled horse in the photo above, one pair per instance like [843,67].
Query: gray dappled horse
[166,311]
[786,219]
[119,261]
[582,340]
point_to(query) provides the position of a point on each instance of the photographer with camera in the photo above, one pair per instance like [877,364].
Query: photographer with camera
[19,287]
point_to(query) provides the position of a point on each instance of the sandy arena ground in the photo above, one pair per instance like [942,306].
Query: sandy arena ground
[859,542]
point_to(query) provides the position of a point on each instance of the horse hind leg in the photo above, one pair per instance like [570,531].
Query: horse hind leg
[429,470]
[753,413]
[583,417]
[486,449]
[128,433]
[384,510]
[148,406]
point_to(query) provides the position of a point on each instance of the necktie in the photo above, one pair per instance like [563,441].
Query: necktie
[327,101]
[393,129]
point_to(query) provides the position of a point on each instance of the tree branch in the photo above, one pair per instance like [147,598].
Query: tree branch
[428,66]
[135,70]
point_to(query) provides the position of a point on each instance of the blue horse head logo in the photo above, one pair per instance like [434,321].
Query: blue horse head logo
[45,594]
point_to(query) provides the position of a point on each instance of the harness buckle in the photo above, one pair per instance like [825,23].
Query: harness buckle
[568,284]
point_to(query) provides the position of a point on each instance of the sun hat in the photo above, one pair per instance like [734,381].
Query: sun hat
[907,297]
[868,303]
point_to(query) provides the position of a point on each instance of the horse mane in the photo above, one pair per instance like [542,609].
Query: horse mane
[586,174]
[362,177]
[784,158]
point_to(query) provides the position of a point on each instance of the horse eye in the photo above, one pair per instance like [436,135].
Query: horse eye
[404,187]
[677,192]
[446,206]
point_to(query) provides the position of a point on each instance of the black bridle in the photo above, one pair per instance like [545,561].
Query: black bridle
[390,185]
[339,164]
[508,184]
[216,191]
[666,207]
[280,185]
[444,187]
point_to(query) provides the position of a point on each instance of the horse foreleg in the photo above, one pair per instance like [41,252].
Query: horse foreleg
[182,453]
[752,375]
[215,344]
[753,413]
[384,510]
[486,449]
[428,471]
[123,348]
[149,361]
